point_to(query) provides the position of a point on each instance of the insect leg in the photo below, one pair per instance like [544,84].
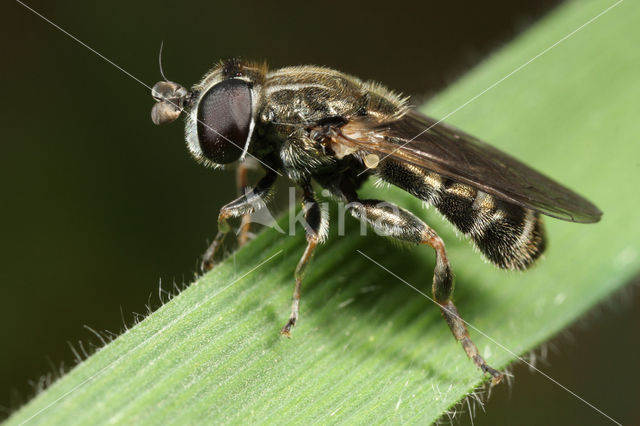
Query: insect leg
[246,204]
[242,182]
[315,229]
[391,220]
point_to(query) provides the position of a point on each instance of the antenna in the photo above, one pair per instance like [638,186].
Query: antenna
[160,61]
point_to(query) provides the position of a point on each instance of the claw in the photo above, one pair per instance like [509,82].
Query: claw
[496,376]
[286,330]
[207,265]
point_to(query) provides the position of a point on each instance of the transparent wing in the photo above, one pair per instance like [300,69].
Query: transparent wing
[417,139]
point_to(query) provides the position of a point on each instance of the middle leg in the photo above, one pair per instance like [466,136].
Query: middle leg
[315,224]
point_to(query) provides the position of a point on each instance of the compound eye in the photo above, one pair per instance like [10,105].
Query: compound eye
[224,118]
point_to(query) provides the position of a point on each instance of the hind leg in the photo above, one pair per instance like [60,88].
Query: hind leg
[390,220]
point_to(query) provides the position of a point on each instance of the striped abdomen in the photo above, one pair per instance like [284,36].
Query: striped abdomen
[510,236]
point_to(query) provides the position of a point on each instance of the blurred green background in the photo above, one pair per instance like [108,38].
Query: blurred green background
[98,205]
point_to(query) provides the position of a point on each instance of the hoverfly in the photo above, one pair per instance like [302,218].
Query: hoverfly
[317,124]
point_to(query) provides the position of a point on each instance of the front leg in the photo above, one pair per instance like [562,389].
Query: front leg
[242,183]
[316,226]
[246,204]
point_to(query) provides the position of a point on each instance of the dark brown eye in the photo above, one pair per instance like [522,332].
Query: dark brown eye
[224,117]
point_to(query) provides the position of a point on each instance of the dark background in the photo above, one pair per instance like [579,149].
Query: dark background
[98,205]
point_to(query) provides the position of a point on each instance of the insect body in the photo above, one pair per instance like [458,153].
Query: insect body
[316,124]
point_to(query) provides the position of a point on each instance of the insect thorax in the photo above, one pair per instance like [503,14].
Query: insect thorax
[293,100]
